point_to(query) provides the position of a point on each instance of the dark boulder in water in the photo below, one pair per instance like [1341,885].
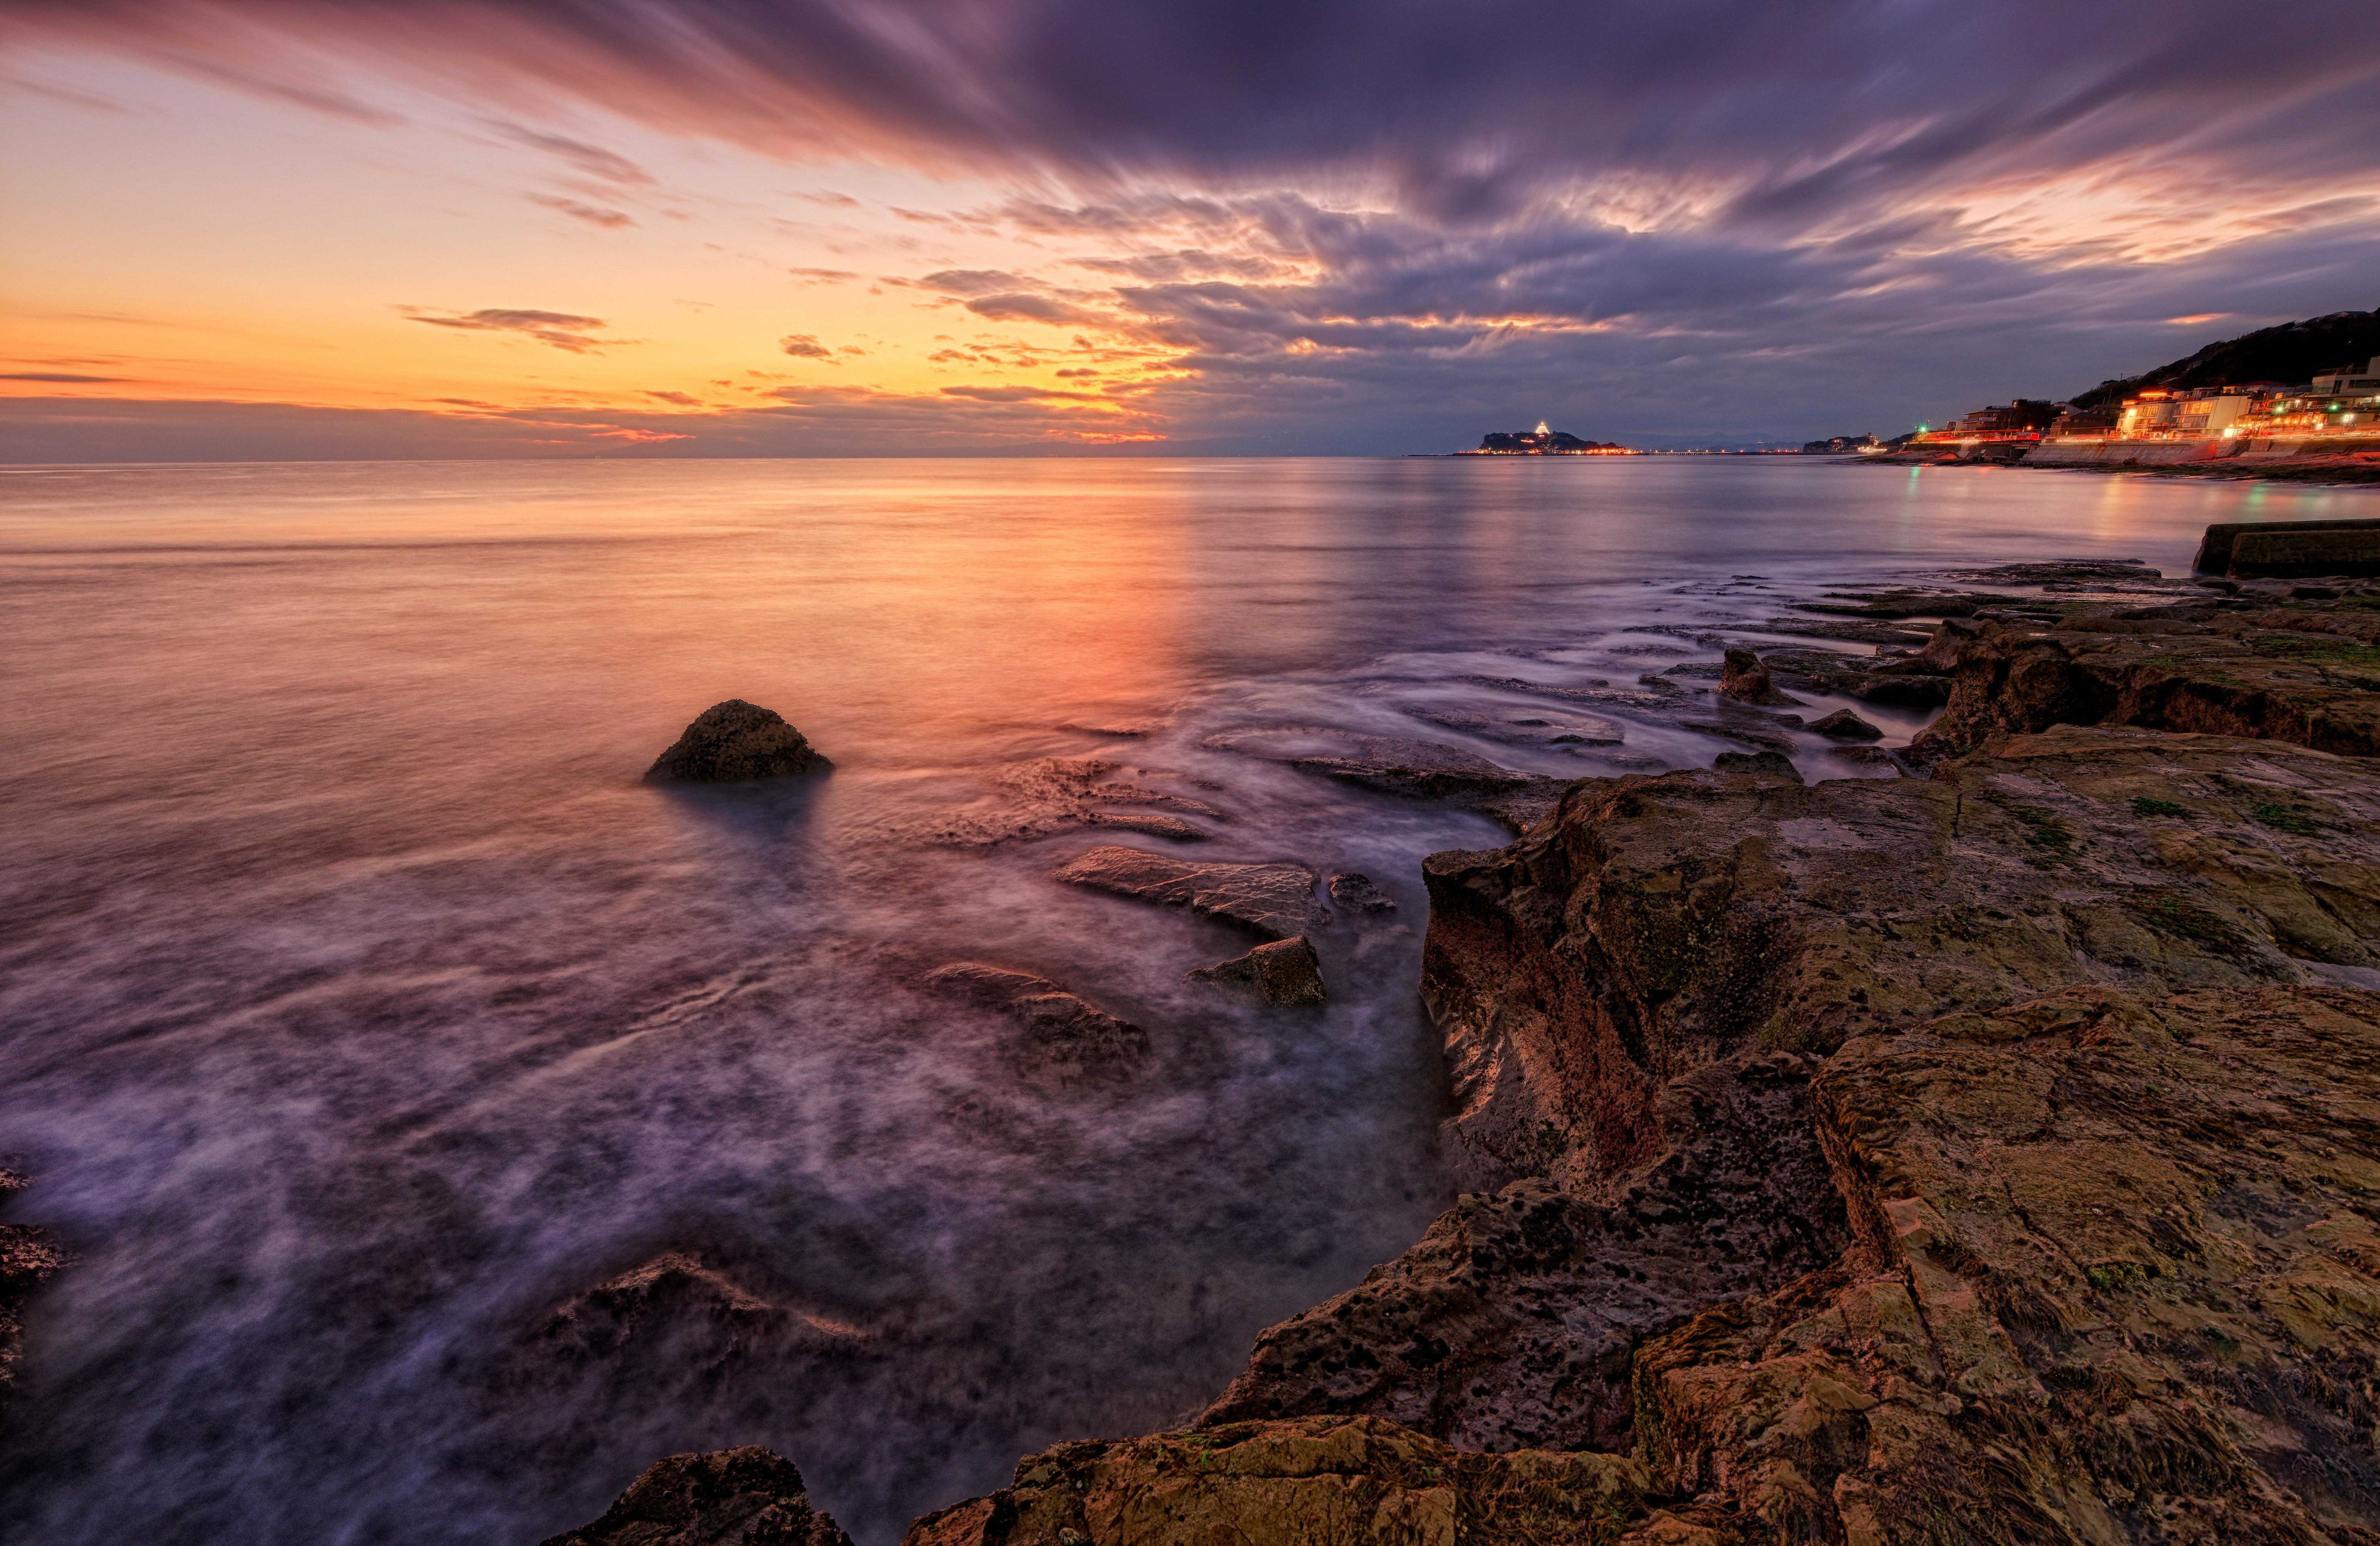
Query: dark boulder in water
[735,742]
[1745,679]
[1285,972]
[1845,725]
[1356,891]
[750,1496]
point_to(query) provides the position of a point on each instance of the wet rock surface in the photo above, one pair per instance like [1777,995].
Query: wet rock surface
[1355,893]
[1986,1155]
[732,1497]
[1843,724]
[2115,1281]
[1286,973]
[1276,900]
[2293,670]
[1423,769]
[1045,795]
[1065,1036]
[735,742]
[1745,679]
[1319,1480]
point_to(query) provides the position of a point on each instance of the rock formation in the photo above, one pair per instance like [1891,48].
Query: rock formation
[1323,1482]
[1745,680]
[1982,1157]
[1285,972]
[733,743]
[1065,1036]
[730,1497]
[2266,666]
[1356,893]
[1845,725]
[1276,900]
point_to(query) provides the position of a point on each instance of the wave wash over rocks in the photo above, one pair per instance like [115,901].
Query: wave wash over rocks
[429,1123]
[1985,1156]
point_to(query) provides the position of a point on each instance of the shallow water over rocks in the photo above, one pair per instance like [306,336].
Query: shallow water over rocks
[448,1123]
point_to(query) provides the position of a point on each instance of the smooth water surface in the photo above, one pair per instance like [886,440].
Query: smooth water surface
[364,1012]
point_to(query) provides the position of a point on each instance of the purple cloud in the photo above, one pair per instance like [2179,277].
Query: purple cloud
[560,330]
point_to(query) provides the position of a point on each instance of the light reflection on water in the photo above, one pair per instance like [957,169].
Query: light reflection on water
[363,1007]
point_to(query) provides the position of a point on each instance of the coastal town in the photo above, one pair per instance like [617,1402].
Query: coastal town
[2255,406]
[2266,404]
[2338,411]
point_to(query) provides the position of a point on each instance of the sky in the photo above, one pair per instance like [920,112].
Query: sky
[267,229]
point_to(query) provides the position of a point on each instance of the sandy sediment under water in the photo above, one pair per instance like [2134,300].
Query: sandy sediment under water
[448,1123]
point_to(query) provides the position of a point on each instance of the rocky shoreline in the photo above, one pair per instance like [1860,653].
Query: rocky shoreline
[1986,1154]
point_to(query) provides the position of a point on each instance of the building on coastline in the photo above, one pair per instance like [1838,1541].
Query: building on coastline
[2337,413]
[1839,446]
[1543,442]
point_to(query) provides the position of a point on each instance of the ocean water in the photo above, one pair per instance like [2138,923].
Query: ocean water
[364,1015]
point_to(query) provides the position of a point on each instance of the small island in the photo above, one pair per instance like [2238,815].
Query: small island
[1543,441]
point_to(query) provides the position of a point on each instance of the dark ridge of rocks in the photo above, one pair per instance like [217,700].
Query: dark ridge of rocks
[1745,680]
[1286,973]
[1066,1037]
[1601,693]
[1535,730]
[1845,725]
[1849,632]
[1898,604]
[1423,769]
[1766,764]
[730,1497]
[30,1256]
[2298,671]
[1276,899]
[1355,891]
[735,742]
[2115,573]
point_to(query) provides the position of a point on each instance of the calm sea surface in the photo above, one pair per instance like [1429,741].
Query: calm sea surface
[363,1011]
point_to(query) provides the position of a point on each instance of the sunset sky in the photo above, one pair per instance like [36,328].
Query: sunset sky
[277,228]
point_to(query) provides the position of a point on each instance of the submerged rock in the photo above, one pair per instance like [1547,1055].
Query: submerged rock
[1355,891]
[1425,769]
[1276,900]
[1845,725]
[1066,1034]
[1285,972]
[729,1497]
[733,743]
[1045,795]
